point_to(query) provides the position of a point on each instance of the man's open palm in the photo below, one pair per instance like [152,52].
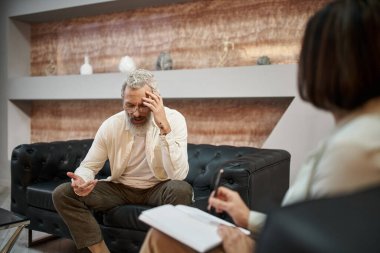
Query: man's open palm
[80,187]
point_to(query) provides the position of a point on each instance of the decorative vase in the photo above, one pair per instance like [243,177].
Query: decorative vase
[127,64]
[86,68]
[51,68]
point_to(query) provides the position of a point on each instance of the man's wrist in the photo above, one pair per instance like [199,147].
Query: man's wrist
[164,128]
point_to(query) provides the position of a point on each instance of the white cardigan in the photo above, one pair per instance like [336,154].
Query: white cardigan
[166,155]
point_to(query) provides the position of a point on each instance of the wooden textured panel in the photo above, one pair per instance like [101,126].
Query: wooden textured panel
[65,120]
[199,34]
[242,122]
[239,121]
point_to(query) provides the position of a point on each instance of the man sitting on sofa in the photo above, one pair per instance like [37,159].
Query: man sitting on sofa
[146,145]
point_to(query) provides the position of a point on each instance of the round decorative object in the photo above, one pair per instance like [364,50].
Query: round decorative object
[263,60]
[164,61]
[86,68]
[127,64]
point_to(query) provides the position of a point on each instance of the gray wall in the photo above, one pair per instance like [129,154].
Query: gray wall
[4,165]
[18,66]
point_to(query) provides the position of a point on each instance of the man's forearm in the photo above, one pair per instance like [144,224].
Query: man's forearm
[175,159]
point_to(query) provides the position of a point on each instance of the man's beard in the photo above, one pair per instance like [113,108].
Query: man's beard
[139,129]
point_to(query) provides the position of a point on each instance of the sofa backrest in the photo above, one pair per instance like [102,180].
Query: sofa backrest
[50,160]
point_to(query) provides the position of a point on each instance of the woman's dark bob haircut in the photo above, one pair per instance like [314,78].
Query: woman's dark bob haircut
[340,56]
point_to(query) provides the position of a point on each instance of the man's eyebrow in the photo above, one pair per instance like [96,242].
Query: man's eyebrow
[129,103]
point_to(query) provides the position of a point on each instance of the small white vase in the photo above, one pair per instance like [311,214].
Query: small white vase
[86,68]
[127,64]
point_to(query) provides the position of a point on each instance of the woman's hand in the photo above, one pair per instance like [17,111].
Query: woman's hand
[230,202]
[235,241]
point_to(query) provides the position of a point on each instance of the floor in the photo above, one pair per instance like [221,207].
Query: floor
[59,245]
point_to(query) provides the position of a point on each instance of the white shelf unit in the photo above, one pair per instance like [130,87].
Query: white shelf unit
[250,81]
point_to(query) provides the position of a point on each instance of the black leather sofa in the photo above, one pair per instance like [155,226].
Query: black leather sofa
[344,224]
[261,176]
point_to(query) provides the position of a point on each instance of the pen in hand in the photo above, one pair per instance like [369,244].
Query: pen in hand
[217,182]
[216,186]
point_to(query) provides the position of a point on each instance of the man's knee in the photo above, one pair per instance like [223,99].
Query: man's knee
[59,194]
[181,190]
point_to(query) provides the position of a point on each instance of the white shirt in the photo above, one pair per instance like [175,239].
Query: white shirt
[137,173]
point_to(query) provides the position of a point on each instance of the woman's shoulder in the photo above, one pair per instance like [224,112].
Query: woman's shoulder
[362,129]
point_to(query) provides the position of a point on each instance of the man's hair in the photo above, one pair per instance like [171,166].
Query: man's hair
[340,56]
[138,79]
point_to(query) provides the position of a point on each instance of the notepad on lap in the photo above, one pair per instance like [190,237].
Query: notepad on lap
[191,226]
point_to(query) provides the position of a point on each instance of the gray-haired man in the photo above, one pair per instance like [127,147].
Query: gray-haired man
[146,145]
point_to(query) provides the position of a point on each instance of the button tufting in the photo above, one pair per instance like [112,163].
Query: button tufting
[30,151]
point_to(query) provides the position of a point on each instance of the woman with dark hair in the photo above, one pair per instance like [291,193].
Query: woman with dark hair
[339,71]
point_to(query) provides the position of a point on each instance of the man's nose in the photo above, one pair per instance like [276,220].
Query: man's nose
[136,113]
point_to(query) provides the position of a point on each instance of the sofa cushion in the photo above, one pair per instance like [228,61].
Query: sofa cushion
[40,194]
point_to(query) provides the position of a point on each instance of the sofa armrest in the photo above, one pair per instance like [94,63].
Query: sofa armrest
[261,178]
[41,162]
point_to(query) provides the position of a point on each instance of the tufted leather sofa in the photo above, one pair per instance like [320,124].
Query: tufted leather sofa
[261,176]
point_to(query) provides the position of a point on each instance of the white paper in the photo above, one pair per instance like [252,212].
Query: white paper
[191,226]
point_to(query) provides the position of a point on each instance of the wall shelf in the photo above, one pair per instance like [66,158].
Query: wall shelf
[30,12]
[247,81]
